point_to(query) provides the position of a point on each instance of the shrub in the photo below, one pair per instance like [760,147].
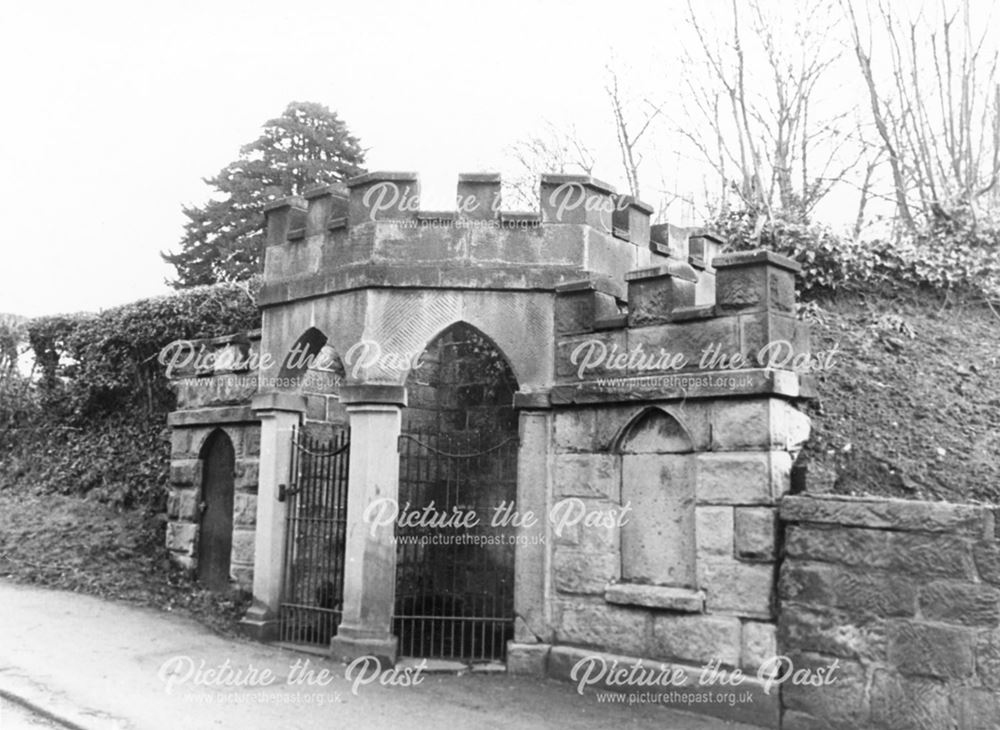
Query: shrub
[828,261]
[953,254]
[98,425]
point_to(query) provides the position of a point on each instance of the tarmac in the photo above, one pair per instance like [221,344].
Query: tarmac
[75,661]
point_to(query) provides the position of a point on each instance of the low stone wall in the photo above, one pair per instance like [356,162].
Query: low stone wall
[905,597]
[695,583]
[185,497]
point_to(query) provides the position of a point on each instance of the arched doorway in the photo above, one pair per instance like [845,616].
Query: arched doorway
[458,468]
[215,538]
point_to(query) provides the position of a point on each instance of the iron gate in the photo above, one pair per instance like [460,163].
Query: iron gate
[312,593]
[455,582]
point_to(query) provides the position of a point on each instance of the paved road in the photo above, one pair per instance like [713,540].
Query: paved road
[108,666]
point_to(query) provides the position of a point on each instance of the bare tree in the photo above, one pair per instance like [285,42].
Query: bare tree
[553,150]
[629,130]
[754,114]
[937,110]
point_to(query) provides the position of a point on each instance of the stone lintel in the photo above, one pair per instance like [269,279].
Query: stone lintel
[532,401]
[373,393]
[210,416]
[278,401]
[669,597]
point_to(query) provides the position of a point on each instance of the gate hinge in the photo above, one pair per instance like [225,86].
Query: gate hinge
[285,491]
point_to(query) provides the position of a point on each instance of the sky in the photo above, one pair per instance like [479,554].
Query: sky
[114,112]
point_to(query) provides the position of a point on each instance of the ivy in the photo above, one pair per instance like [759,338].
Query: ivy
[951,255]
[98,419]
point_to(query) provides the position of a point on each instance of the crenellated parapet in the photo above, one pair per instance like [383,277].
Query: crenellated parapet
[340,237]
[626,293]
[737,336]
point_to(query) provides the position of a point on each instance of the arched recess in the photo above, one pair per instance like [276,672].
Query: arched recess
[458,454]
[215,536]
[462,382]
[311,364]
[658,487]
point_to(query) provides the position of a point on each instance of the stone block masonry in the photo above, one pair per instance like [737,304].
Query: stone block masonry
[905,597]
[210,398]
[647,405]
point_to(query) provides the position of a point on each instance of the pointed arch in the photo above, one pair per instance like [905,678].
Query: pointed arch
[310,355]
[658,488]
[653,430]
[462,380]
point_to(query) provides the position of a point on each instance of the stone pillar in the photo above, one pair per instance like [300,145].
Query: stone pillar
[375,415]
[527,653]
[279,414]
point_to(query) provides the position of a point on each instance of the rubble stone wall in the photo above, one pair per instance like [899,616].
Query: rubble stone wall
[905,597]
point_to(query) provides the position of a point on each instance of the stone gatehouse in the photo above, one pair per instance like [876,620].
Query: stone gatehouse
[615,401]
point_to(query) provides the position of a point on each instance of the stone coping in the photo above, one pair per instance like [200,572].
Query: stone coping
[636,203]
[394,276]
[322,190]
[755,258]
[689,384]
[675,269]
[491,178]
[603,284]
[593,183]
[291,202]
[887,513]
[382,176]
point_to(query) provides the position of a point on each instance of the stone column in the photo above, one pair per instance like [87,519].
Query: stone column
[279,414]
[527,653]
[370,552]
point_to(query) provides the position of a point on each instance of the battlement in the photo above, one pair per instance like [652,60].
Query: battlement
[648,337]
[395,197]
[340,236]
